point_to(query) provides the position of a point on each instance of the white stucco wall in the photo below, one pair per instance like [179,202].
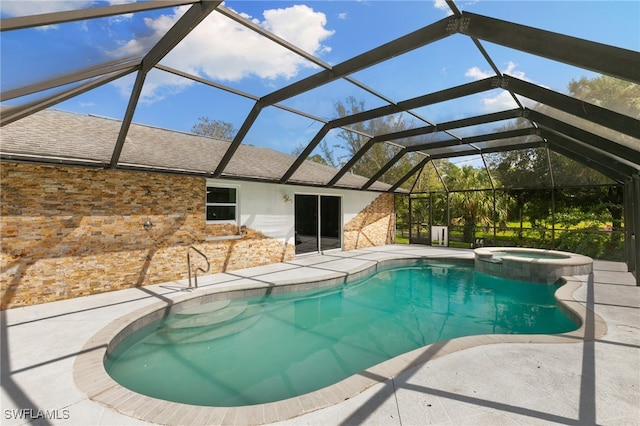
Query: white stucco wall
[275,205]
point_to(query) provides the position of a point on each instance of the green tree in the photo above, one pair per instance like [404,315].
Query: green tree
[608,92]
[472,207]
[215,129]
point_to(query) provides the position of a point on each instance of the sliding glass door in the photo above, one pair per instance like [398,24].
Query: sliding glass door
[306,227]
[318,220]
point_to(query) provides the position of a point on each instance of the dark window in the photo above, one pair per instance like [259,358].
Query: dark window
[221,213]
[221,204]
[221,195]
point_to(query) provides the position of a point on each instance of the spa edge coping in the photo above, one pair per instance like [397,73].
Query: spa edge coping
[547,269]
[92,379]
[564,258]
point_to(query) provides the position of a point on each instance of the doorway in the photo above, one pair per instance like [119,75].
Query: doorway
[318,220]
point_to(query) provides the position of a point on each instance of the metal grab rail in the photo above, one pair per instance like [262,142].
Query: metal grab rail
[195,275]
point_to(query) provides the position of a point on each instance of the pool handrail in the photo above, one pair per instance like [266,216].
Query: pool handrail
[198,268]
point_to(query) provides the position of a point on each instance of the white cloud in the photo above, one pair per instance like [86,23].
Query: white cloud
[223,50]
[499,102]
[503,100]
[342,16]
[510,69]
[477,74]
[443,6]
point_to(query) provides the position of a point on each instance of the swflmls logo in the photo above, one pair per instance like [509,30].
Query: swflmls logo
[34,414]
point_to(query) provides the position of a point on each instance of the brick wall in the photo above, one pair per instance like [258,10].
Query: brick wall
[69,232]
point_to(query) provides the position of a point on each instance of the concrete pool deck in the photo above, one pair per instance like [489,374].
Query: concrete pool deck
[588,382]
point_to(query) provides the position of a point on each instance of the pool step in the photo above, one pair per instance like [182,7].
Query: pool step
[204,308]
[206,318]
[174,336]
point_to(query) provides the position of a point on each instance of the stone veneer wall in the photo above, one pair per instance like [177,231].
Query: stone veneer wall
[69,232]
[373,226]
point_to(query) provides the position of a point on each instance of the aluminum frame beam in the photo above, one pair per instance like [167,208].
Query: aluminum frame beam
[452,142]
[481,119]
[444,95]
[561,149]
[384,169]
[450,125]
[13,114]
[404,44]
[508,134]
[590,112]
[93,72]
[629,226]
[595,154]
[636,224]
[558,126]
[476,151]
[417,102]
[426,35]
[187,22]
[410,173]
[293,48]
[603,159]
[357,156]
[598,57]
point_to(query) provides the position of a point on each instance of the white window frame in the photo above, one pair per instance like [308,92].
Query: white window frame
[236,204]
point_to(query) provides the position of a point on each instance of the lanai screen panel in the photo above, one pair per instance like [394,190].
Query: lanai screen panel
[520,168]
[464,172]
[568,172]
[568,17]
[421,71]
[607,133]
[34,55]
[278,73]
[428,179]
[492,127]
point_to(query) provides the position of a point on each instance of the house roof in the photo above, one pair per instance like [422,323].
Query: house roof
[51,135]
[593,133]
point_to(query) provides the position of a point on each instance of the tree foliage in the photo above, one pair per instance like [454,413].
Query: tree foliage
[542,186]
[215,129]
[608,92]
[325,157]
[470,209]
[380,153]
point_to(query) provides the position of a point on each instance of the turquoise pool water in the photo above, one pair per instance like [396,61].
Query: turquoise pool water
[263,349]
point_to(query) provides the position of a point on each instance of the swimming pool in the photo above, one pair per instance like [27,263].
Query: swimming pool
[275,346]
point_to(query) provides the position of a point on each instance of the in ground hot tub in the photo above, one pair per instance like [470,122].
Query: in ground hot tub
[528,264]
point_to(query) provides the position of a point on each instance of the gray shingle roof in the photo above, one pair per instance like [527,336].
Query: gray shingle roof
[55,134]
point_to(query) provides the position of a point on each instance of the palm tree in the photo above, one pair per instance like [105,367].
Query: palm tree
[470,207]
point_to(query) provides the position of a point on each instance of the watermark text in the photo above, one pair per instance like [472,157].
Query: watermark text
[36,413]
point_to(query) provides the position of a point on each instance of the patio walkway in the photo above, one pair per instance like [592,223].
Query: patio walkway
[593,382]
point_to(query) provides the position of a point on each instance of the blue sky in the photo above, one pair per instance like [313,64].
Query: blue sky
[333,31]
